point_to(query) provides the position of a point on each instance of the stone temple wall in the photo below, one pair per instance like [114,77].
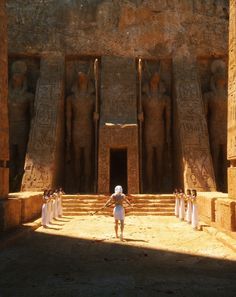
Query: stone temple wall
[4,152]
[232,103]
[176,34]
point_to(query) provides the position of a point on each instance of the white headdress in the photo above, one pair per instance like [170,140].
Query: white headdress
[118,190]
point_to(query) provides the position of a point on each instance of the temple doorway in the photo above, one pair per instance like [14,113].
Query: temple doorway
[118,169]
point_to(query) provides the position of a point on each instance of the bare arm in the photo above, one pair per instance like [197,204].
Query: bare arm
[127,201]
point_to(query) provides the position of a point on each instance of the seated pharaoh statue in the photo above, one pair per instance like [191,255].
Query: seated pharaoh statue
[80,114]
[156,131]
[20,106]
[215,103]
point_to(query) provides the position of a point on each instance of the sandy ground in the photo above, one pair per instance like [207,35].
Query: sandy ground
[80,256]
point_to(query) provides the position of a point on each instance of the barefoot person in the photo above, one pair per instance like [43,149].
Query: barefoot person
[118,198]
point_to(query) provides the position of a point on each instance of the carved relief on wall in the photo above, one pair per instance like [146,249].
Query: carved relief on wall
[23,76]
[156,127]
[80,128]
[214,87]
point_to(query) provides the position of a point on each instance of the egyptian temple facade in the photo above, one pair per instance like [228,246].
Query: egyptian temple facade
[104,92]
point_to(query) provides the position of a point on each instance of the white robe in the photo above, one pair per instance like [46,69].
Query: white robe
[119,212]
[55,213]
[44,214]
[181,207]
[189,210]
[195,215]
[48,212]
[176,206]
[59,205]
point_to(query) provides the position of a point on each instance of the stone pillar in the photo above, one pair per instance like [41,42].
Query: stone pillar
[118,121]
[44,158]
[195,162]
[231,146]
[4,126]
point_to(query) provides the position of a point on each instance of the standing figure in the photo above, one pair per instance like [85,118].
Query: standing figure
[194,210]
[80,130]
[181,205]
[118,198]
[216,112]
[45,209]
[59,201]
[156,109]
[189,206]
[176,194]
[20,106]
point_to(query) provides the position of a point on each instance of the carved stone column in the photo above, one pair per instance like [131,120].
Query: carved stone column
[4,128]
[44,158]
[231,146]
[195,162]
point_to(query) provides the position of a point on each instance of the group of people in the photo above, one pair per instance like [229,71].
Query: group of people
[189,214]
[52,206]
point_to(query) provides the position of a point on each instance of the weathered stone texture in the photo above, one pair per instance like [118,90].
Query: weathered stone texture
[118,137]
[4,127]
[10,214]
[196,159]
[44,158]
[31,205]
[232,182]
[231,146]
[225,214]
[206,208]
[118,125]
[126,28]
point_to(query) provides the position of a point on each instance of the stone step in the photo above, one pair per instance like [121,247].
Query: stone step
[127,214]
[130,197]
[98,204]
[79,209]
[144,204]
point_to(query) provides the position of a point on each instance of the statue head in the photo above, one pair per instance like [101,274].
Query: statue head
[18,75]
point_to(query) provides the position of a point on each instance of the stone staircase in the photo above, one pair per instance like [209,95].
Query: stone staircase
[144,204]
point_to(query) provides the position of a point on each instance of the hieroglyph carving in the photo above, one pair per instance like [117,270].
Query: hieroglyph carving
[4,129]
[215,103]
[197,163]
[46,138]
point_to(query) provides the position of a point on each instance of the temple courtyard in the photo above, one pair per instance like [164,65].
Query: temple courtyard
[79,256]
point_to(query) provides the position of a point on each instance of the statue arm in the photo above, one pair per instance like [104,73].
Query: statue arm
[206,98]
[168,119]
[68,120]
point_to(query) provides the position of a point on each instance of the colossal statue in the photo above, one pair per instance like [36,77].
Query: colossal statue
[215,103]
[80,106]
[20,105]
[156,113]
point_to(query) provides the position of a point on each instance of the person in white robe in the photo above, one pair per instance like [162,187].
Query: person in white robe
[189,206]
[181,205]
[194,210]
[44,209]
[118,198]
[176,194]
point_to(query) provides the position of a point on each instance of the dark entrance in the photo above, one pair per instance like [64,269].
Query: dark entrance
[118,169]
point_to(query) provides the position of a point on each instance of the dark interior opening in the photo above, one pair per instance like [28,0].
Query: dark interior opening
[118,169]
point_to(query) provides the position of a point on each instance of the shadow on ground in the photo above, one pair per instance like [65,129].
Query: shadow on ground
[50,265]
